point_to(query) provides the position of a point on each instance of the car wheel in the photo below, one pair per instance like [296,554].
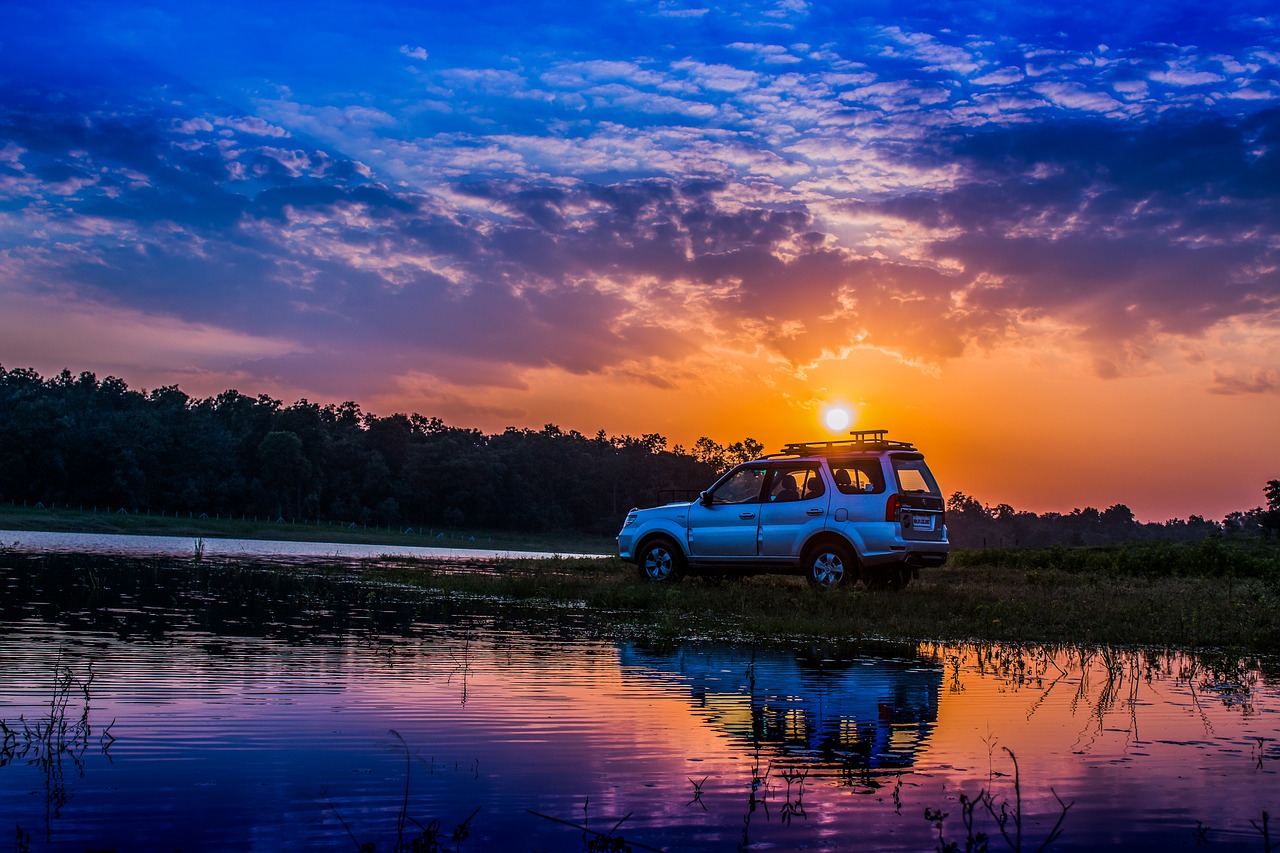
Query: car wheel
[829,566]
[661,561]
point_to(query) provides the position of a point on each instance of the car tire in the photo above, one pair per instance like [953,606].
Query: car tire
[661,561]
[830,566]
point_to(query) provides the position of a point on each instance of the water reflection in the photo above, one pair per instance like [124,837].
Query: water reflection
[853,714]
[254,709]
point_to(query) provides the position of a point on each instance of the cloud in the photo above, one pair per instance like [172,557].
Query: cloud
[717,78]
[1074,96]
[668,12]
[769,54]
[1260,381]
[1186,77]
[1001,77]
[898,95]
[933,54]
[1124,234]
[122,339]
[914,193]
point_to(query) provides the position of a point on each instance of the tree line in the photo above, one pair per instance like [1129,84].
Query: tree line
[970,524]
[76,441]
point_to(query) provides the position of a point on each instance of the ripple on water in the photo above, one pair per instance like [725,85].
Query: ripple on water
[275,727]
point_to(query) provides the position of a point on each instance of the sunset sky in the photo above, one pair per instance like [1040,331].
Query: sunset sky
[1040,240]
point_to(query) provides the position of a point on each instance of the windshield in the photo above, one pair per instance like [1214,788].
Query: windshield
[914,476]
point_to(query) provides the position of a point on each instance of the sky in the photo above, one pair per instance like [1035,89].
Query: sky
[1039,240]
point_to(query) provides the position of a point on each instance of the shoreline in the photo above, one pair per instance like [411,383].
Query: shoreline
[1199,597]
[136,545]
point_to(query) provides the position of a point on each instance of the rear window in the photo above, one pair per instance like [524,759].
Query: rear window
[858,476]
[914,476]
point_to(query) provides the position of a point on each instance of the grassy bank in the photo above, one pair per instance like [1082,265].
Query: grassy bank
[1218,593]
[103,520]
[971,599]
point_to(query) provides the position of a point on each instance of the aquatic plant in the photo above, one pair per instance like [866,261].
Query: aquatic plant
[1008,820]
[794,805]
[58,737]
[430,837]
[697,792]
[1265,829]
[594,841]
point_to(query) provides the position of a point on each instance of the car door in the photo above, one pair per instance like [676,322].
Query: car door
[795,508]
[724,524]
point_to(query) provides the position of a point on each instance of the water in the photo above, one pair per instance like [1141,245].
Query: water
[223,708]
[185,546]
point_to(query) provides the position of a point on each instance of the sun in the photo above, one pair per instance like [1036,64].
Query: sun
[837,418]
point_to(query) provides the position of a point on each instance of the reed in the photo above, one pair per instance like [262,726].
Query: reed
[1006,815]
[430,838]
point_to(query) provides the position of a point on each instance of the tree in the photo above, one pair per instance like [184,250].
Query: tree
[743,451]
[283,466]
[1271,518]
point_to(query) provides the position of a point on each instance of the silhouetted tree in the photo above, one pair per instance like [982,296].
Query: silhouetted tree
[1271,518]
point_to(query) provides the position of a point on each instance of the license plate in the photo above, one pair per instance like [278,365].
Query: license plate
[919,522]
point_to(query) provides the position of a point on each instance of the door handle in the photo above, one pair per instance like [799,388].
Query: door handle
[815,511]
[746,515]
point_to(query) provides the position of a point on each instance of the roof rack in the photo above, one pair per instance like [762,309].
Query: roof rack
[863,440]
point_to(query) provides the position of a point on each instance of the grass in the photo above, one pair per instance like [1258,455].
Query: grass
[103,520]
[971,599]
[1217,593]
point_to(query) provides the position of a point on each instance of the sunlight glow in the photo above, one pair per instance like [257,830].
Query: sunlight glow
[837,418]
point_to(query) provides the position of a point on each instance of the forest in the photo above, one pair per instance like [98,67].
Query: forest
[72,440]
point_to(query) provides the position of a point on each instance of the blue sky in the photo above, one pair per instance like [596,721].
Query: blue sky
[661,216]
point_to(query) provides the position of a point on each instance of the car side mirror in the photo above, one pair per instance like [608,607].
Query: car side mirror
[705,498]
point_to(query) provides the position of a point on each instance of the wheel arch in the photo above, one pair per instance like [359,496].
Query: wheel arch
[662,533]
[824,538]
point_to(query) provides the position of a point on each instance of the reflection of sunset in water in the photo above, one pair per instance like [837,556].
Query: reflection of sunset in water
[288,734]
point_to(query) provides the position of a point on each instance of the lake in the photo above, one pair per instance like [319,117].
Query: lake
[163,704]
[212,546]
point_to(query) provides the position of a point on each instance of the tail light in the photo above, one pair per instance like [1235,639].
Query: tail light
[892,507]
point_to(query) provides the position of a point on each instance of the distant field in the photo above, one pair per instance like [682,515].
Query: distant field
[60,520]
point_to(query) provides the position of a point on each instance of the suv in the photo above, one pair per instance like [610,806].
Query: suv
[839,511]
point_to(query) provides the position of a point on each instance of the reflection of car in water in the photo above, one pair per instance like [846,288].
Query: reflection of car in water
[860,714]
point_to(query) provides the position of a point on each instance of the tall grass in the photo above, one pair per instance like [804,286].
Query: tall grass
[1014,596]
[1215,557]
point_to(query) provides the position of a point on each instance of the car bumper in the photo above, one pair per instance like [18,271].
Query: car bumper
[627,547]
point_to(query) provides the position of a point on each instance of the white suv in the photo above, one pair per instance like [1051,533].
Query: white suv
[839,511]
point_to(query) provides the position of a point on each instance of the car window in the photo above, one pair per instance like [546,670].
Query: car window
[784,486]
[794,483]
[812,486]
[914,476]
[743,486]
[857,476]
